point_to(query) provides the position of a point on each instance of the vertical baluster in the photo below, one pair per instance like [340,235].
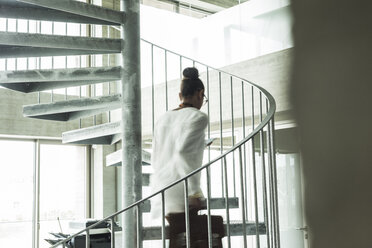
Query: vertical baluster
[242,196]
[87,240]
[181,76]
[272,217]
[227,203]
[187,214]
[63,245]
[163,219]
[139,226]
[210,237]
[275,183]
[245,151]
[221,138]
[232,131]
[51,94]
[152,88]
[80,57]
[264,189]
[166,80]
[112,222]
[209,121]
[38,93]
[254,175]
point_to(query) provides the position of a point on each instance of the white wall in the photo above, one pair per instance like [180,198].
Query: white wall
[236,34]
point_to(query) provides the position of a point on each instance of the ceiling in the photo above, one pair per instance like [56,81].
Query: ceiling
[194,8]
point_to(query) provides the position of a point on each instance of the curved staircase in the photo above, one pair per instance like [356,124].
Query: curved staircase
[241,161]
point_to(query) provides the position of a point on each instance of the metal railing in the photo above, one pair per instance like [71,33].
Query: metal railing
[247,187]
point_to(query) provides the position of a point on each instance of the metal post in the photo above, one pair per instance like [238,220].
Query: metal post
[187,213]
[272,217]
[275,183]
[163,219]
[227,204]
[210,240]
[87,239]
[36,196]
[242,196]
[232,131]
[221,138]
[131,121]
[264,189]
[254,175]
[112,232]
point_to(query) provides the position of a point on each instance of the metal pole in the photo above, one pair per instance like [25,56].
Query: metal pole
[87,240]
[264,189]
[163,219]
[152,89]
[36,196]
[242,196]
[272,217]
[112,232]
[131,121]
[166,80]
[275,183]
[254,175]
[221,138]
[187,213]
[227,204]
[210,240]
[232,131]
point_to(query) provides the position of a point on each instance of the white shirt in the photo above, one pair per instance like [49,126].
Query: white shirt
[178,147]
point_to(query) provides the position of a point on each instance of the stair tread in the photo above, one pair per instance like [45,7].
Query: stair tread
[114,159]
[61,11]
[17,45]
[236,229]
[39,80]
[216,203]
[72,109]
[100,134]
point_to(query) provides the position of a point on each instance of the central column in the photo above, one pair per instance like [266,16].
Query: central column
[131,121]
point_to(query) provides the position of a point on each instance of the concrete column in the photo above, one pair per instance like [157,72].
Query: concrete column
[331,92]
[131,120]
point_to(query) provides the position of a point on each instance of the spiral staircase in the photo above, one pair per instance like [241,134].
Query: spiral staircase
[241,119]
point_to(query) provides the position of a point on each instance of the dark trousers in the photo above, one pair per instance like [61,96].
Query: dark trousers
[198,230]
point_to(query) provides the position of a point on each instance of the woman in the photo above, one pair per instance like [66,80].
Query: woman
[178,147]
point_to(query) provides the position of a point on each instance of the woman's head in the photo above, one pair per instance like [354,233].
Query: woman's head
[192,88]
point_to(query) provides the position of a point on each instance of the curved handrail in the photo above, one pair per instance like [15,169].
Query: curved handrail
[266,121]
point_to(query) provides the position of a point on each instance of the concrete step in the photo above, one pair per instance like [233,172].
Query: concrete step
[15,45]
[72,109]
[216,203]
[236,229]
[39,80]
[114,159]
[60,11]
[105,134]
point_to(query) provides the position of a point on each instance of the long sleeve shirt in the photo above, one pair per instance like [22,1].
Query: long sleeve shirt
[178,147]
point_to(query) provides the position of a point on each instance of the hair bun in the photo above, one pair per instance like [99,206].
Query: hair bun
[191,73]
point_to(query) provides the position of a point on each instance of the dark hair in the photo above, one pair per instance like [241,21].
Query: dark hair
[191,82]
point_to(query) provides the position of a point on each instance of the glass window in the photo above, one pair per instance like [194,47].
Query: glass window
[62,187]
[16,192]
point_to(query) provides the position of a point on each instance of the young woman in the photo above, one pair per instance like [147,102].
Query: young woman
[178,146]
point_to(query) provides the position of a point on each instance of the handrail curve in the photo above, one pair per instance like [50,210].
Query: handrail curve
[266,121]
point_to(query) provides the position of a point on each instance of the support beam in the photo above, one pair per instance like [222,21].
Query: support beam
[131,124]
[15,45]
